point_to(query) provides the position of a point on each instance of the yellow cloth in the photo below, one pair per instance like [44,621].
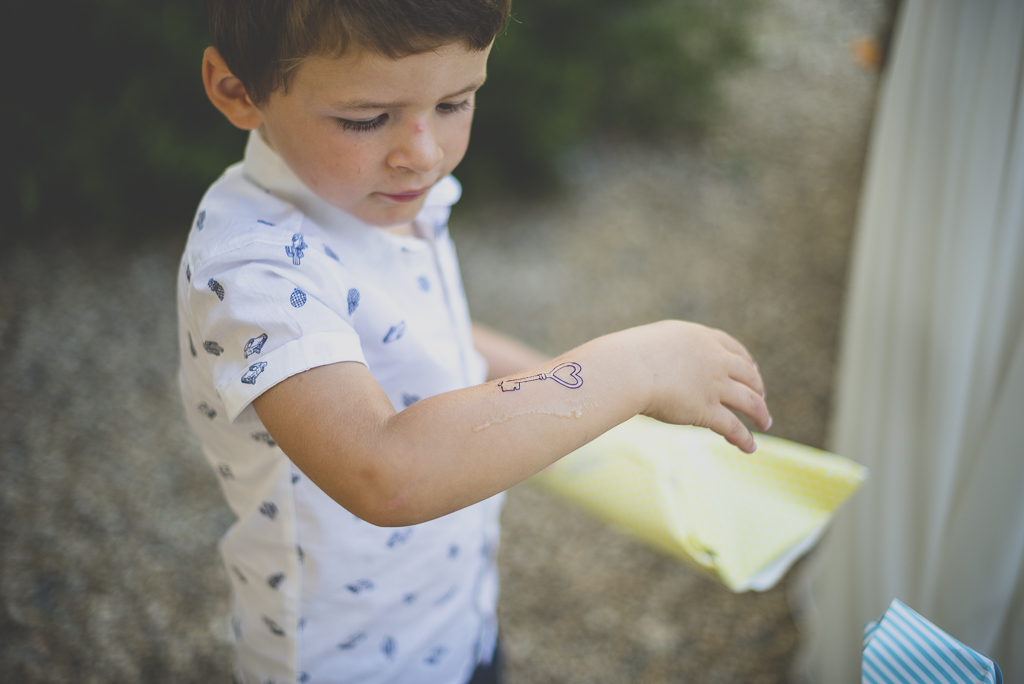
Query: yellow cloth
[744,518]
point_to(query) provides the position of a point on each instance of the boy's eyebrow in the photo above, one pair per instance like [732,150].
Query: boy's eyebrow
[367,104]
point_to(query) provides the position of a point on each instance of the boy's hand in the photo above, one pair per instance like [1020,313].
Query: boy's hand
[700,376]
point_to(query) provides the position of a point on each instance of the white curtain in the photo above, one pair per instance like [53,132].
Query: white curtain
[931,385]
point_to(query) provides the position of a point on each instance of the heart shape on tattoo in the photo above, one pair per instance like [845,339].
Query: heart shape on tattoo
[565,374]
[570,379]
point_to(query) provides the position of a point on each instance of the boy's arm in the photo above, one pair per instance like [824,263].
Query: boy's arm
[454,449]
[505,355]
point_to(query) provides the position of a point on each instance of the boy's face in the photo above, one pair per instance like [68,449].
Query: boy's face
[370,134]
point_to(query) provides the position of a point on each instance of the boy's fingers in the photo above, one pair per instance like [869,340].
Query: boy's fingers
[733,345]
[746,373]
[724,422]
[742,399]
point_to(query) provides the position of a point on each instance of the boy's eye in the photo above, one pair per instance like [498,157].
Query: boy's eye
[367,125]
[452,107]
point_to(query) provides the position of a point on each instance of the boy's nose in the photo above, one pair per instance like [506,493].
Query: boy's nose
[418,148]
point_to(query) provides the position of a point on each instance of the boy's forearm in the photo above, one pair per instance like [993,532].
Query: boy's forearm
[468,445]
[457,448]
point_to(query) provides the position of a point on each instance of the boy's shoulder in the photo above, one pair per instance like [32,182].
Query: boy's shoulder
[237,214]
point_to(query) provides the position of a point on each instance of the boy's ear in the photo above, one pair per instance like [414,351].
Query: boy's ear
[227,93]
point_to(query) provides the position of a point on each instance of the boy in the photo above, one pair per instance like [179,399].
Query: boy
[329,365]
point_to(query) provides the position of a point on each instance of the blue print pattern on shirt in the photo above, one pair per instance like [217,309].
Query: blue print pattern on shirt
[239,575]
[353,641]
[217,288]
[275,580]
[212,347]
[297,250]
[273,626]
[266,223]
[353,300]
[208,410]
[424,283]
[399,537]
[191,347]
[255,345]
[298,298]
[225,471]
[201,220]
[254,372]
[269,509]
[188,273]
[303,677]
[410,399]
[263,437]
[435,655]
[395,332]
[389,647]
[330,252]
[359,586]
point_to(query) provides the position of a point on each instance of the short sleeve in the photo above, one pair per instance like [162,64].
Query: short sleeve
[266,310]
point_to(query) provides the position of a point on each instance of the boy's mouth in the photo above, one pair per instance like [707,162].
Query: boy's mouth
[404,197]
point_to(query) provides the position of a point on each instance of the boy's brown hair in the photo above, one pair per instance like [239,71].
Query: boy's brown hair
[263,41]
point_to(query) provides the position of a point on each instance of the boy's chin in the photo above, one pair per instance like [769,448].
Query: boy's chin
[389,215]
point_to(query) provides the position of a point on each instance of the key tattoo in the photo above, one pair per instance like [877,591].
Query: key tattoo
[565,374]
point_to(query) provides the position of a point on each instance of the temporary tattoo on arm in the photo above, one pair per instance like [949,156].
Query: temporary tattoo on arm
[566,375]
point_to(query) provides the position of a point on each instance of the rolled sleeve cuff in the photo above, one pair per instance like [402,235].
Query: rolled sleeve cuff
[263,372]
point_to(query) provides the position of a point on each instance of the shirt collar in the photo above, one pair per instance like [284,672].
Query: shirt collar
[265,167]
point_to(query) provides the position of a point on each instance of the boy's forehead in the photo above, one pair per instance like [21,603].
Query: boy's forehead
[363,79]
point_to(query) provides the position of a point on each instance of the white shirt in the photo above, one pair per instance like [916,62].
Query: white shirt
[275,281]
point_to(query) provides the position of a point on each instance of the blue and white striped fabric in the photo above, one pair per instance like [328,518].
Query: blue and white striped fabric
[904,647]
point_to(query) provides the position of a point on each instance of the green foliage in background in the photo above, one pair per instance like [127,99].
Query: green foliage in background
[107,124]
[568,69]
